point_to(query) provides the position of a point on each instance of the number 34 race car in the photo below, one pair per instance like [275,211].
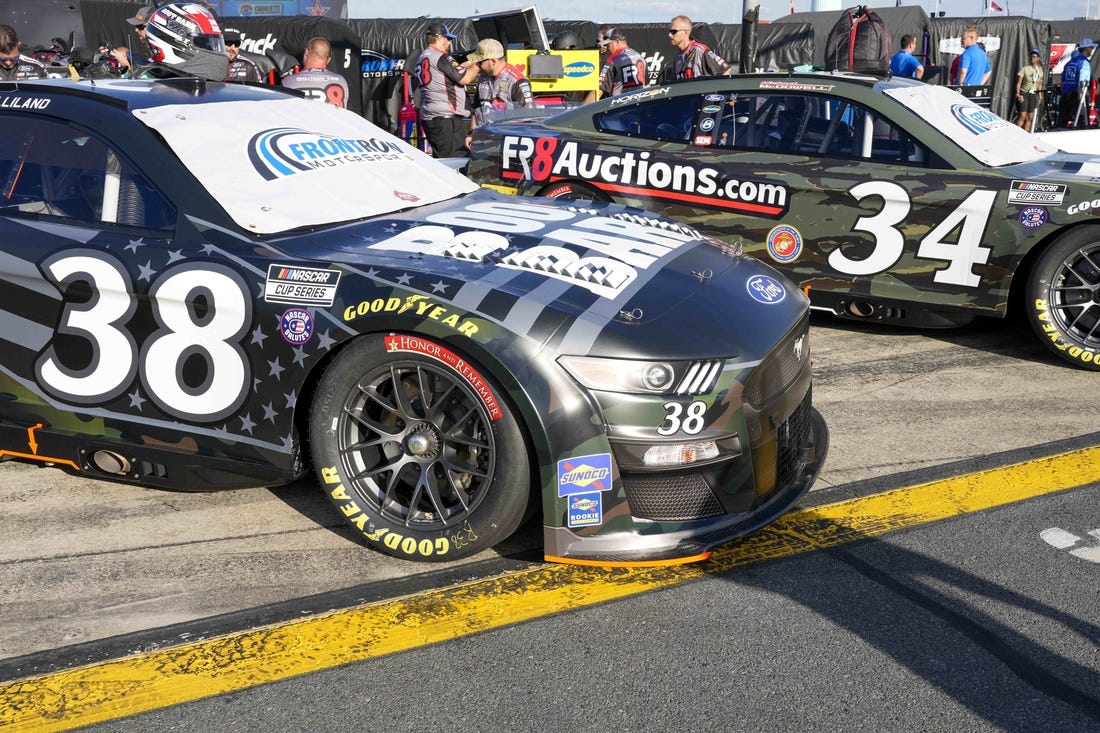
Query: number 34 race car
[888,200]
[214,286]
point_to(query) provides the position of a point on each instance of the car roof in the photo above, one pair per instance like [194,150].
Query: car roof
[143,93]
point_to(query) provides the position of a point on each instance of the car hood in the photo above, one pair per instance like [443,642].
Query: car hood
[602,279]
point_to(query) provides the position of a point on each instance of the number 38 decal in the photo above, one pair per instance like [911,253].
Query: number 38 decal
[202,310]
[678,419]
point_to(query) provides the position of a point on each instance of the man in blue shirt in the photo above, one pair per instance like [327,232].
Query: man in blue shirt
[1076,78]
[974,68]
[904,63]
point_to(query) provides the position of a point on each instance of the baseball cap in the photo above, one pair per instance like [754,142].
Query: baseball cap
[487,48]
[1037,52]
[1086,43]
[440,29]
[612,34]
[231,35]
[141,15]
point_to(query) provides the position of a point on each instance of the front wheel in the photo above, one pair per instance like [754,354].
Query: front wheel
[418,449]
[1063,298]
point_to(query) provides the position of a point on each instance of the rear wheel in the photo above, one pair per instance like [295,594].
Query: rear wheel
[574,191]
[1063,298]
[426,462]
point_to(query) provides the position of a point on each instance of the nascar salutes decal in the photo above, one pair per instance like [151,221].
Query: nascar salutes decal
[1033,192]
[288,151]
[640,173]
[296,325]
[1033,217]
[583,474]
[585,510]
[300,285]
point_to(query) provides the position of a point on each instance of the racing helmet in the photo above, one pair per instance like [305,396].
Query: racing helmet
[565,41]
[186,37]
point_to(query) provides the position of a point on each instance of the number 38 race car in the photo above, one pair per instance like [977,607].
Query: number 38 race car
[214,286]
[888,200]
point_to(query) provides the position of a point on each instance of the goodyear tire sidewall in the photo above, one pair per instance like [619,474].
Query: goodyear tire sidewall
[1043,321]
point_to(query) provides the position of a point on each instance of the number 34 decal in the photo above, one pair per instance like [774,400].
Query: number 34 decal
[202,310]
[972,214]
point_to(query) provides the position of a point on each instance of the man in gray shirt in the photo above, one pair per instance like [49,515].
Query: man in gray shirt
[315,80]
[443,93]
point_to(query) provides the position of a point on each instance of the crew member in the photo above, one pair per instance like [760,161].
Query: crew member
[624,70]
[974,67]
[904,63]
[240,68]
[693,59]
[184,40]
[14,66]
[315,80]
[443,93]
[1076,78]
[1029,82]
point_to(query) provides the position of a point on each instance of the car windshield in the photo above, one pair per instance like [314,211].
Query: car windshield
[287,163]
[987,138]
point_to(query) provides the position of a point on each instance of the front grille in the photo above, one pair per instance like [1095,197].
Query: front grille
[667,497]
[791,437]
[780,367]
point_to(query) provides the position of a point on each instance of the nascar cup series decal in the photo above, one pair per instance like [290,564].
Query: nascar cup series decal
[296,325]
[585,510]
[639,173]
[300,285]
[286,151]
[784,243]
[584,474]
[397,343]
[766,289]
[1033,192]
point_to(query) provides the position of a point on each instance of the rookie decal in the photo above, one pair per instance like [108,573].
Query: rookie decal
[287,151]
[584,474]
[784,243]
[296,325]
[639,173]
[976,119]
[766,289]
[300,285]
[1033,217]
[585,510]
[1033,192]
[397,343]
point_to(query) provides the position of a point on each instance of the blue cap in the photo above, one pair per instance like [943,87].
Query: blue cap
[1086,43]
[1037,52]
[440,29]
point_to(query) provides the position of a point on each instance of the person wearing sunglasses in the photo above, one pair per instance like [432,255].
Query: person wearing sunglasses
[14,66]
[240,68]
[693,59]
[139,52]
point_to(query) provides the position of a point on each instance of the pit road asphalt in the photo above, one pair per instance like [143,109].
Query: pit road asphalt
[938,624]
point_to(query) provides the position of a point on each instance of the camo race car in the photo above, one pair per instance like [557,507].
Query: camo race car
[211,286]
[887,200]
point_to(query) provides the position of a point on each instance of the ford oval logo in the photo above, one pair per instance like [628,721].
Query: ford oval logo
[579,68]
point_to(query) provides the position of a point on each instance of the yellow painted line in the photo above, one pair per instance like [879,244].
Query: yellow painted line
[132,685]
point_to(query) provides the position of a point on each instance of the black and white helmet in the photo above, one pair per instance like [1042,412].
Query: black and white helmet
[186,37]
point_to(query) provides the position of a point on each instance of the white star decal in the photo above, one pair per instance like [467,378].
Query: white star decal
[276,368]
[440,287]
[404,279]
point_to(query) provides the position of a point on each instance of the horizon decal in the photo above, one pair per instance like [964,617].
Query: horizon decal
[286,151]
[976,119]
[640,173]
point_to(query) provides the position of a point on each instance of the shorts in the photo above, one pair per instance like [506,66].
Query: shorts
[1030,102]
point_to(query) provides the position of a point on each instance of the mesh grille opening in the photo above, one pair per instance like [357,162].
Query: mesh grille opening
[671,497]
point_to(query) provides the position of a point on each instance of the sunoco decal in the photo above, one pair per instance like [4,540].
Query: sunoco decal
[585,510]
[766,289]
[1033,192]
[976,119]
[300,285]
[584,474]
[396,343]
[287,151]
[784,243]
[639,173]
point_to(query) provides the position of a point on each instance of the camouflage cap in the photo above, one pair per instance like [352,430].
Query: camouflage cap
[487,48]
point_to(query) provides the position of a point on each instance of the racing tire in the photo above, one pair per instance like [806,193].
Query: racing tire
[410,454]
[1063,298]
[574,191]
